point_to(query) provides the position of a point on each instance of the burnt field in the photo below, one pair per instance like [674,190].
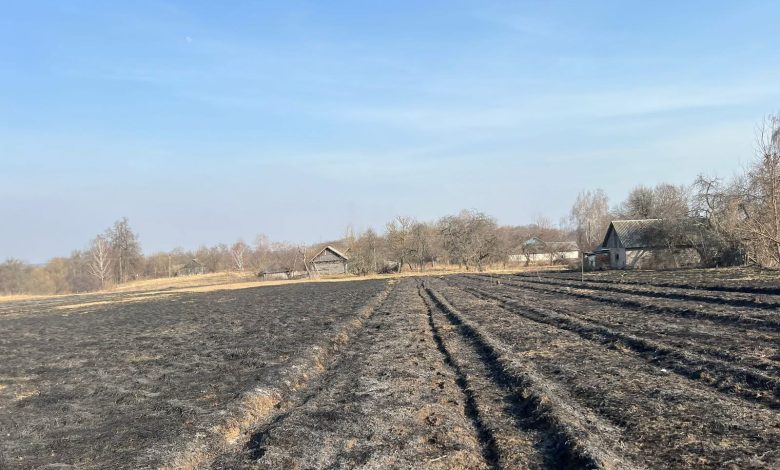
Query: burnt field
[625,370]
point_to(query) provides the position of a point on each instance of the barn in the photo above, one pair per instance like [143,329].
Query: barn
[329,261]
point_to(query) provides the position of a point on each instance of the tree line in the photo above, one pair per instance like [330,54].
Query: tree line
[734,221]
[470,239]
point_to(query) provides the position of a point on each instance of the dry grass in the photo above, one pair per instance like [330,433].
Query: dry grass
[153,288]
[97,303]
[184,281]
[24,297]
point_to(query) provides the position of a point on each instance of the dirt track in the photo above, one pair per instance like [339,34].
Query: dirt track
[466,371]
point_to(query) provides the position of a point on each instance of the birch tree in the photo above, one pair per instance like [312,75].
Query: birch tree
[590,218]
[100,260]
[238,254]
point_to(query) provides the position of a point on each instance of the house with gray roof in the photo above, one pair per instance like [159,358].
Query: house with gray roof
[628,243]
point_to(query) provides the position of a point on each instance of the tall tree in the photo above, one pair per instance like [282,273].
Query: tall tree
[590,218]
[125,249]
[238,253]
[758,192]
[399,240]
[100,260]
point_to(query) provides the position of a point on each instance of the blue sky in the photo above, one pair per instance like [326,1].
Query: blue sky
[203,122]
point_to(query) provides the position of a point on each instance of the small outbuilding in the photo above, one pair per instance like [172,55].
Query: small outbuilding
[281,274]
[191,268]
[329,261]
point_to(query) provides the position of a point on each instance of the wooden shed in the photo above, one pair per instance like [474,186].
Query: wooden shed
[329,261]
[191,268]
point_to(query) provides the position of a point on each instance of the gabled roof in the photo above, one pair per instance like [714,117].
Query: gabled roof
[193,263]
[333,250]
[635,233]
[658,233]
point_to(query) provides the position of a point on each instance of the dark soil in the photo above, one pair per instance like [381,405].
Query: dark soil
[676,369]
[388,401]
[123,385]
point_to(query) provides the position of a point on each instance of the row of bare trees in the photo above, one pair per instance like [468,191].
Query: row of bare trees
[469,239]
[111,257]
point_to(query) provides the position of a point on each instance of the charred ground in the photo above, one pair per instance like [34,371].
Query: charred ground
[625,370]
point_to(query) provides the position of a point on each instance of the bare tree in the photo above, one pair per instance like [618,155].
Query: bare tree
[758,217]
[590,218]
[664,201]
[639,204]
[13,275]
[124,248]
[238,254]
[470,238]
[399,239]
[364,252]
[422,239]
[100,260]
[671,202]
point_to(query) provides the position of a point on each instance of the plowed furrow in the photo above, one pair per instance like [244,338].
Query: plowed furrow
[387,401]
[741,346]
[768,321]
[741,381]
[573,437]
[658,419]
[264,405]
[508,438]
[638,278]
[674,293]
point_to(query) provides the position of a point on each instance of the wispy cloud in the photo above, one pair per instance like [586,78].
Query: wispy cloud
[518,112]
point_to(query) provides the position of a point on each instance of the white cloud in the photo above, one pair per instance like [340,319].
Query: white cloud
[518,112]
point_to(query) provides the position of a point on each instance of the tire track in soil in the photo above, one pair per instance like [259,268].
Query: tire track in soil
[387,400]
[722,376]
[259,405]
[566,438]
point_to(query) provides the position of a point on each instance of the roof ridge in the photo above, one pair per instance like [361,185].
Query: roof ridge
[331,248]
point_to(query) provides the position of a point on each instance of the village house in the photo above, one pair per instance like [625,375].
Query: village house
[640,243]
[329,261]
[537,251]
